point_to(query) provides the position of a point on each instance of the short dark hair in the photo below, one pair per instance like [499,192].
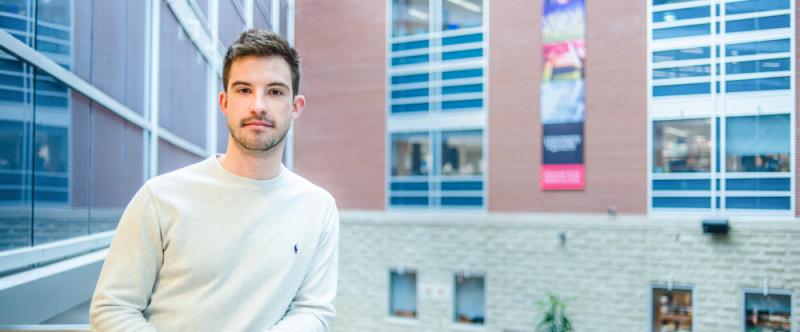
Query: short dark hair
[257,42]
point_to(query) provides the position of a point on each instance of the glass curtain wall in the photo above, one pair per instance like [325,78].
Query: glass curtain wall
[436,73]
[68,164]
[722,106]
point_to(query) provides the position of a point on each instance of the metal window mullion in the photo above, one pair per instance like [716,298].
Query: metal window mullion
[248,14]
[435,137]
[722,113]
[153,93]
[715,79]
[211,81]
[276,16]
[289,147]
[792,116]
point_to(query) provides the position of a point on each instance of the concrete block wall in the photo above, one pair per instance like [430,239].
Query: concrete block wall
[604,270]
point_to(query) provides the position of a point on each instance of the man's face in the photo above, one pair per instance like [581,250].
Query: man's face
[258,102]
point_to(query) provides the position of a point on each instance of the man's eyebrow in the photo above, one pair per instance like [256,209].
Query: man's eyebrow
[281,84]
[235,83]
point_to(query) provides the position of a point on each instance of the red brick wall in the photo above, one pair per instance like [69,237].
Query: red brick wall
[340,137]
[615,148]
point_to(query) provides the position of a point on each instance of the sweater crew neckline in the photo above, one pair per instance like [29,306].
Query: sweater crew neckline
[216,165]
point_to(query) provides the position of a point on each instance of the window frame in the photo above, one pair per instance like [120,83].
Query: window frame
[768,291]
[668,287]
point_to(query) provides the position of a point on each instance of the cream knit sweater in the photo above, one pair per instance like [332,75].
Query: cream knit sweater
[202,249]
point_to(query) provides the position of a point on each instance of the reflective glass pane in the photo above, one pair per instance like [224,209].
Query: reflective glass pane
[403,294]
[410,17]
[284,19]
[171,157]
[683,54]
[682,31]
[54,27]
[681,14]
[231,22]
[459,14]
[16,18]
[681,89]
[758,84]
[676,72]
[682,146]
[758,143]
[117,167]
[183,97]
[462,153]
[410,154]
[262,18]
[469,299]
[672,310]
[759,23]
[61,165]
[16,155]
[771,312]
[667,2]
[741,7]
[758,66]
[759,47]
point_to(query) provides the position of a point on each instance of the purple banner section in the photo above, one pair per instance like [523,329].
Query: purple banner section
[562,94]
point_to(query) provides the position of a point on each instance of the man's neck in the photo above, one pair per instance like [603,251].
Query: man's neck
[258,166]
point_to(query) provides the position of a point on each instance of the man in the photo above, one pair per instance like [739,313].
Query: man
[236,242]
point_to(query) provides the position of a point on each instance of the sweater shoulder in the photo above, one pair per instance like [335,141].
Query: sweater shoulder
[180,179]
[307,188]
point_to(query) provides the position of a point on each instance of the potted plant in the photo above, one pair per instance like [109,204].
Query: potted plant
[555,317]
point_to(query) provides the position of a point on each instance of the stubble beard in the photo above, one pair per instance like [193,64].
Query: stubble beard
[256,144]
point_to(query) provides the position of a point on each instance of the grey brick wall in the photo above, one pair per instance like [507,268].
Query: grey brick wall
[604,271]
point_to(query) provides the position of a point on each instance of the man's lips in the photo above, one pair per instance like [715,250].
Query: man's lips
[258,123]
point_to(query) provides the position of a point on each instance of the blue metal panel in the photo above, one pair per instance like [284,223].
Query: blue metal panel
[446,90]
[415,78]
[467,73]
[410,93]
[681,202]
[408,60]
[462,185]
[409,186]
[410,45]
[681,89]
[768,184]
[474,103]
[462,201]
[454,55]
[473,38]
[409,201]
[760,203]
[422,107]
[681,184]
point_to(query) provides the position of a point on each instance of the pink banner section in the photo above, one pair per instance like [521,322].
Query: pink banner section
[562,177]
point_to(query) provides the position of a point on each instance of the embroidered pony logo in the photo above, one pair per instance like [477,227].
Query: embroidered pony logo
[296,248]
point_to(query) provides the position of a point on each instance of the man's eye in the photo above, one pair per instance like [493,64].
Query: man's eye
[243,90]
[276,92]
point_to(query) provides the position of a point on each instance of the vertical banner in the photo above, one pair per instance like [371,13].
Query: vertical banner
[562,94]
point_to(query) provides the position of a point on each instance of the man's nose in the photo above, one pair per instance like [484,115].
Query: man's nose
[258,104]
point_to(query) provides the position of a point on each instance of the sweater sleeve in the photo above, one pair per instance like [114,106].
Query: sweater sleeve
[312,308]
[130,269]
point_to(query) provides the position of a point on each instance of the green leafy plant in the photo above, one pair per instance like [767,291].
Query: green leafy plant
[555,317]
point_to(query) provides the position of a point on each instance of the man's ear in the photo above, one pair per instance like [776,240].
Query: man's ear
[297,106]
[223,102]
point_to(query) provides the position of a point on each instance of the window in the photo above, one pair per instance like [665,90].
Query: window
[403,294]
[758,143]
[410,154]
[682,146]
[469,299]
[770,312]
[462,153]
[459,14]
[409,17]
[672,310]
[436,75]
